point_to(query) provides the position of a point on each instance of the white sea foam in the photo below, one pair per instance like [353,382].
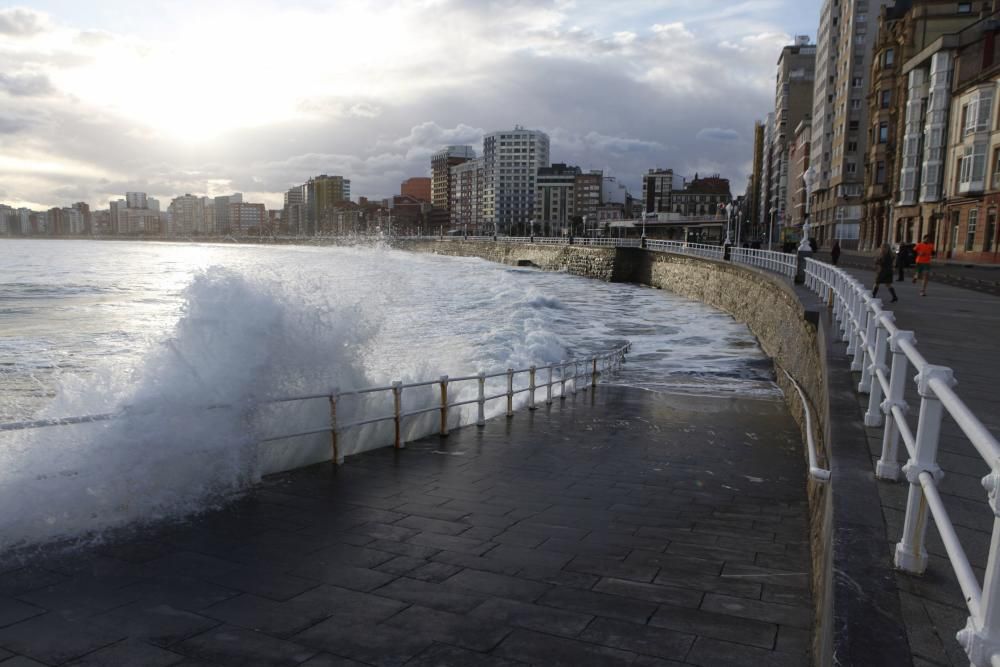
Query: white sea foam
[191,342]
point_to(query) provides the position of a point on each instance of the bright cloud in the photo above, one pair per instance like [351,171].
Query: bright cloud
[259,95]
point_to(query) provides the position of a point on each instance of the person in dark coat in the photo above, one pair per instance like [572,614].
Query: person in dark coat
[903,260]
[835,252]
[884,261]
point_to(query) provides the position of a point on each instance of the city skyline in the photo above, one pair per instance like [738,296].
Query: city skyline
[102,102]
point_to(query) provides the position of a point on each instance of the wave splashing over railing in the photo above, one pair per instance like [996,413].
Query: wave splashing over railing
[236,340]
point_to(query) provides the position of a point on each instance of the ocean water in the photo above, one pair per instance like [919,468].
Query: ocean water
[192,342]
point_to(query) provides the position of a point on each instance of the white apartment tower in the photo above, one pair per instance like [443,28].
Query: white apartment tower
[511,159]
[844,45]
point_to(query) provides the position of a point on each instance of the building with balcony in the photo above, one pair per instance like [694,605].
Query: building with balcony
[798,166]
[324,196]
[555,200]
[903,31]
[844,47]
[967,229]
[511,160]
[793,94]
[246,218]
[466,207]
[657,188]
[442,185]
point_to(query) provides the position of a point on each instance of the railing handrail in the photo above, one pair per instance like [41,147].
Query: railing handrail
[872,337]
[617,354]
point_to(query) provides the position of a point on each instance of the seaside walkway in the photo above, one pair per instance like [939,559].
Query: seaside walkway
[958,328]
[618,527]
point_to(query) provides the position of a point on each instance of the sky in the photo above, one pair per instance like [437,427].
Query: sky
[255,96]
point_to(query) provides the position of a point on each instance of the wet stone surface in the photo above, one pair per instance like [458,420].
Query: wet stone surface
[617,527]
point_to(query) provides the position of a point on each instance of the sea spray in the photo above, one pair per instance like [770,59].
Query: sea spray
[187,436]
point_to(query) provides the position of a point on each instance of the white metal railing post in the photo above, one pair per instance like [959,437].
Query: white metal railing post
[510,392]
[481,400]
[873,417]
[576,374]
[860,331]
[887,467]
[531,388]
[397,401]
[911,552]
[444,404]
[981,636]
[548,388]
[874,307]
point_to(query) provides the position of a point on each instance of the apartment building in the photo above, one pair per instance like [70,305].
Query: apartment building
[798,166]
[467,181]
[442,185]
[793,94]
[967,229]
[511,160]
[844,47]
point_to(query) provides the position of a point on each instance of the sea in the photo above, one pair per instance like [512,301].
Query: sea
[191,351]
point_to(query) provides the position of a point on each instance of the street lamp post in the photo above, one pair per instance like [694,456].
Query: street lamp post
[729,220]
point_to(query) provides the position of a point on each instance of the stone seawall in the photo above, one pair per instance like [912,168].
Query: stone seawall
[785,328]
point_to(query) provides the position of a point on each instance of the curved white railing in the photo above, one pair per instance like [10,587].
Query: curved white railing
[780,262]
[560,378]
[872,337]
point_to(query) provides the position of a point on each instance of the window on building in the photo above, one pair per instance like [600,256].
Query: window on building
[970,229]
[880,172]
[890,57]
[883,132]
[885,98]
[856,82]
[965,8]
[991,230]
[852,126]
[855,104]
[852,146]
[850,168]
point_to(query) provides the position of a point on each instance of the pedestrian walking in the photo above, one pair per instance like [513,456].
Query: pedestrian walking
[902,261]
[883,271]
[924,252]
[835,252]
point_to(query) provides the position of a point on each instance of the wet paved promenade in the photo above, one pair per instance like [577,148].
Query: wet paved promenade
[958,328]
[643,529]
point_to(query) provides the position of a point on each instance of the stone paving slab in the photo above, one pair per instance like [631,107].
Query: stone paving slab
[957,328]
[617,527]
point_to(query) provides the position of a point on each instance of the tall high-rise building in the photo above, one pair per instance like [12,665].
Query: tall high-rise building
[246,218]
[187,215]
[844,46]
[657,186]
[766,214]
[798,164]
[793,96]
[754,204]
[222,204]
[135,200]
[555,200]
[511,159]
[467,196]
[324,195]
[588,195]
[442,186]
[294,215]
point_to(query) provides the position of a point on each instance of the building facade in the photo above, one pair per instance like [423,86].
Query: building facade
[324,195]
[555,200]
[466,207]
[246,218]
[657,187]
[967,230]
[844,47]
[798,165]
[418,187]
[793,96]
[442,185]
[511,160]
